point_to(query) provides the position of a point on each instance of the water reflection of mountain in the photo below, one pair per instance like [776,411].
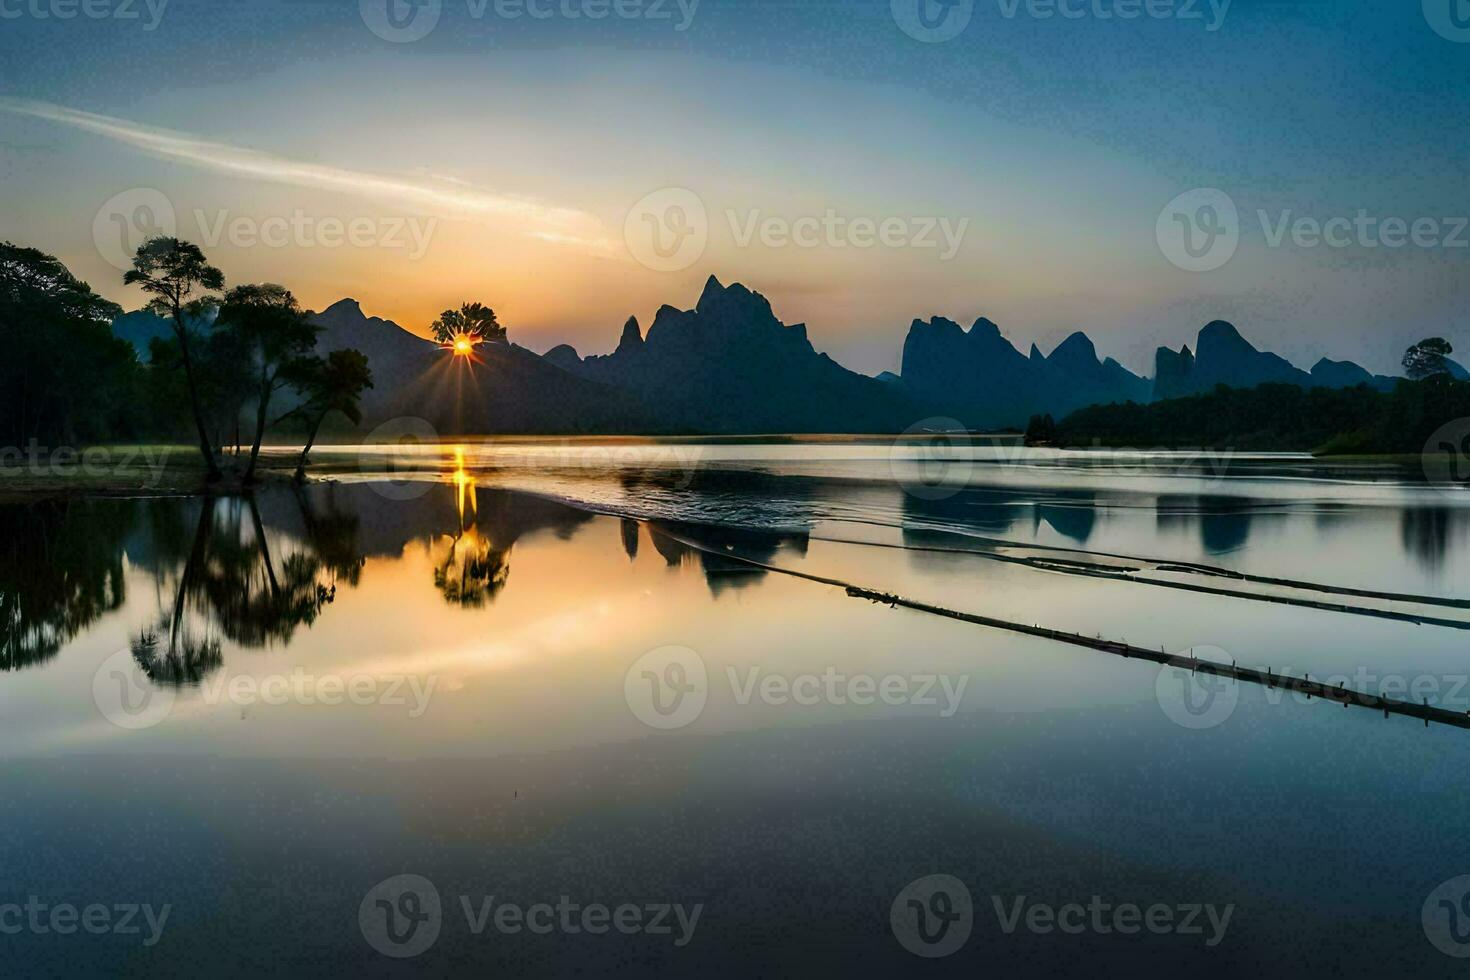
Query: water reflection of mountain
[1223,523]
[1072,514]
[723,573]
[1427,533]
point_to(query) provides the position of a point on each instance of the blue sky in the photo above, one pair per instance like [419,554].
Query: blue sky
[517,147]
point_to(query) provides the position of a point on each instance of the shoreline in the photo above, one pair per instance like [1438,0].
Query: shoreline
[164,470]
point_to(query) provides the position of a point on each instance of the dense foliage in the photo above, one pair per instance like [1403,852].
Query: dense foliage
[64,377]
[1277,417]
[67,380]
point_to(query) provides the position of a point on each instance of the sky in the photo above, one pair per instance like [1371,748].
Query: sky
[1130,168]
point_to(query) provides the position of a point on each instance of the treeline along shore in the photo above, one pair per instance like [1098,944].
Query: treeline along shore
[224,370]
[1274,417]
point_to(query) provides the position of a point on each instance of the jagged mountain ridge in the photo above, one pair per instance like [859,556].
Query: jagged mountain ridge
[730,366]
[1223,357]
[985,381]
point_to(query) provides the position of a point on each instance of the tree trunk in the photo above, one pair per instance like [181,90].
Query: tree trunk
[262,405]
[306,449]
[265,548]
[211,467]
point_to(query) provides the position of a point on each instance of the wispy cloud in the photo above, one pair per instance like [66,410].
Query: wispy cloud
[454,199]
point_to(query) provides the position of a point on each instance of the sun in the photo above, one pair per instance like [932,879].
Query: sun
[462,344]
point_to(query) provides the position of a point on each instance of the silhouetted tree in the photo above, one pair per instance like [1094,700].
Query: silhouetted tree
[63,375]
[272,328]
[331,384]
[1042,430]
[179,279]
[473,319]
[1427,357]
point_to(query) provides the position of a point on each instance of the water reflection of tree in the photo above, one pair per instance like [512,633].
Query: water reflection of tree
[185,658]
[472,564]
[470,571]
[60,569]
[236,579]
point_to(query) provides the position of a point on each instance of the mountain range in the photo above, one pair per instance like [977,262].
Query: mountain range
[730,366]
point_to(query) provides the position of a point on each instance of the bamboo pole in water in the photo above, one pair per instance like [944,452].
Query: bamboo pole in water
[1265,678]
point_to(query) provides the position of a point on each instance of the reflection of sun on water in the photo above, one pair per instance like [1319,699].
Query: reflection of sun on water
[468,571]
[465,484]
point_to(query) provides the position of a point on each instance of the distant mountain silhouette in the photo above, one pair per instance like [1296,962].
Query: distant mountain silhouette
[1223,357]
[729,365]
[982,379]
[506,389]
[140,327]
[1073,376]
[1345,374]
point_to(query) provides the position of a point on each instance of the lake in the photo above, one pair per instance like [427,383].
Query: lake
[607,707]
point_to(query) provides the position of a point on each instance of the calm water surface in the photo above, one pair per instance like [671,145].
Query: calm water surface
[527,671]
